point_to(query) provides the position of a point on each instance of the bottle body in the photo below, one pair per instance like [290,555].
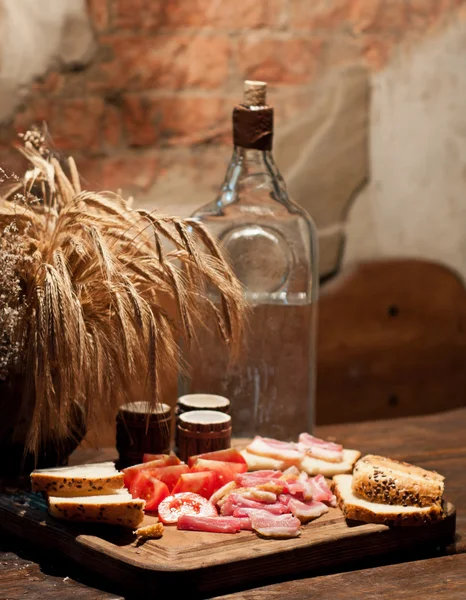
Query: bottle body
[272,246]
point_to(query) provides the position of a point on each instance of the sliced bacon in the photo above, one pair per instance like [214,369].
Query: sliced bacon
[272,509]
[320,448]
[264,473]
[296,487]
[285,451]
[320,490]
[308,491]
[235,501]
[281,526]
[258,478]
[306,511]
[213,524]
[293,470]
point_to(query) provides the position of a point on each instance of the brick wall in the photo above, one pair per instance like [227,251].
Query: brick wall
[156,100]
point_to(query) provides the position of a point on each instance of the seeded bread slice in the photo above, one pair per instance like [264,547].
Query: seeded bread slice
[114,509]
[358,509]
[380,479]
[82,480]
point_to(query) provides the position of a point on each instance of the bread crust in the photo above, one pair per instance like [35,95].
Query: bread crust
[359,513]
[75,486]
[387,481]
[127,514]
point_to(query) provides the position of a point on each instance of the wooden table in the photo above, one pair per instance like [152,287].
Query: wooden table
[435,442]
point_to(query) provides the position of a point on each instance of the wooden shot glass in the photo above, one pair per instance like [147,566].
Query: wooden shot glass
[142,430]
[199,402]
[202,431]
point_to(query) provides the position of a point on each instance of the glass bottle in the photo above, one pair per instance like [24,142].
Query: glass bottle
[271,243]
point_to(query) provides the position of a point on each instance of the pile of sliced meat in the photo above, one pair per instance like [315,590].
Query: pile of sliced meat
[276,502]
[215,493]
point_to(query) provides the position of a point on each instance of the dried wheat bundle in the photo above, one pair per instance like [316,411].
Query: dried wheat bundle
[103,302]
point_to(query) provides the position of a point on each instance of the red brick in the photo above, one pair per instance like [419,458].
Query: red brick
[37,111]
[52,83]
[129,13]
[219,13]
[77,123]
[130,173]
[278,60]
[379,17]
[319,15]
[111,128]
[137,119]
[377,49]
[184,116]
[169,62]
[363,15]
[99,13]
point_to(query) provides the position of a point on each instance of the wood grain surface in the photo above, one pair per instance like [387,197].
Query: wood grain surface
[211,562]
[435,441]
[392,342]
[435,579]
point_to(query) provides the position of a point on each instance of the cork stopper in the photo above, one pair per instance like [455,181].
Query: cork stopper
[255,93]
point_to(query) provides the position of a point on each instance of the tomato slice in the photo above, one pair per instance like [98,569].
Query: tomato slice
[169,459]
[225,471]
[186,503]
[149,489]
[228,455]
[203,483]
[169,475]
[131,472]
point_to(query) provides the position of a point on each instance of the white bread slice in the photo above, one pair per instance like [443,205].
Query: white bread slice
[359,509]
[381,479]
[115,509]
[314,466]
[82,480]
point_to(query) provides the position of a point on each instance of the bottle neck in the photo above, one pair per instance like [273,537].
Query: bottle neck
[251,173]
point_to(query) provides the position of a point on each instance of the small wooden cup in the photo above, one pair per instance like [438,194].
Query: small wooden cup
[199,402]
[202,431]
[142,430]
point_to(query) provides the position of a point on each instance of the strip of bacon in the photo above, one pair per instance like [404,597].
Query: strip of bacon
[320,448]
[235,501]
[306,511]
[320,490]
[258,478]
[285,451]
[213,524]
[281,526]
[272,509]
[291,471]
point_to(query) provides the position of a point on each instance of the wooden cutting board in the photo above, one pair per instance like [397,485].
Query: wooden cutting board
[211,563]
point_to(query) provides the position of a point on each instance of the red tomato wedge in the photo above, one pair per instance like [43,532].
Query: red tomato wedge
[169,475]
[149,489]
[131,472]
[199,483]
[229,455]
[187,503]
[149,457]
[225,471]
